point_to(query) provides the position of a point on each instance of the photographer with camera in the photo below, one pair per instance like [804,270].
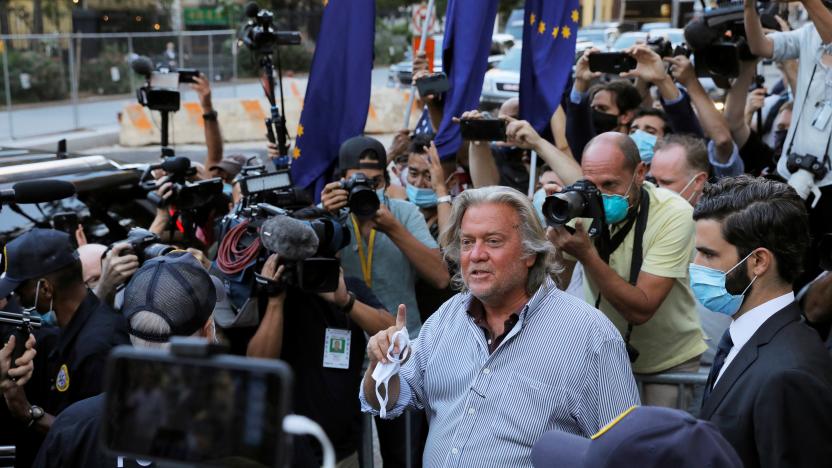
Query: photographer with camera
[636,270]
[106,270]
[322,338]
[805,160]
[605,107]
[390,245]
[44,272]
[169,295]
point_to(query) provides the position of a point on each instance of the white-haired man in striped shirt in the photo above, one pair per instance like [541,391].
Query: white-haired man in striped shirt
[511,356]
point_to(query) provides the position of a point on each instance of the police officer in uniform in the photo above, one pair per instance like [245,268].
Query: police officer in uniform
[43,270]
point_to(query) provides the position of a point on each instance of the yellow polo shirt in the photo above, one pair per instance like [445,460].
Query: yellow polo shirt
[673,335]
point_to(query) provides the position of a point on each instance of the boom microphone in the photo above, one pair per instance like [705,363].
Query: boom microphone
[142,66]
[252,9]
[37,191]
[288,237]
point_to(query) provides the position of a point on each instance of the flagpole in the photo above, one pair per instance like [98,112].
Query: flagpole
[425,25]
[532,173]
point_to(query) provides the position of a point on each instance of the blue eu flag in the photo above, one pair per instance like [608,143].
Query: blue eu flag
[338,93]
[549,32]
[468,28]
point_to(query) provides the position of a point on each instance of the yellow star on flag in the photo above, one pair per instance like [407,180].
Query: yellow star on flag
[575,16]
[541,28]
[555,32]
[296,152]
[326,2]
[565,32]
[532,19]
[300,130]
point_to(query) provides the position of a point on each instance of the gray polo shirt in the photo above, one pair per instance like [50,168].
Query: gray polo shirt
[393,278]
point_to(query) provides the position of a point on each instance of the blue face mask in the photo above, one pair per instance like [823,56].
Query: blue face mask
[645,143]
[708,287]
[616,206]
[421,197]
[227,189]
[380,194]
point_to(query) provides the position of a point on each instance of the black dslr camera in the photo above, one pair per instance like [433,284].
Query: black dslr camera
[185,195]
[362,200]
[145,244]
[579,200]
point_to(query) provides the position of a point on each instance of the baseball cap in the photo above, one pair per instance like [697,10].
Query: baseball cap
[643,436]
[177,288]
[233,164]
[349,156]
[34,254]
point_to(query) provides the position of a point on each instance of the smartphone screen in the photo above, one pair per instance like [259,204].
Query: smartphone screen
[192,410]
[483,130]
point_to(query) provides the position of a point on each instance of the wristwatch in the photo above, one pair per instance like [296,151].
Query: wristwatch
[445,199]
[350,303]
[35,413]
[211,116]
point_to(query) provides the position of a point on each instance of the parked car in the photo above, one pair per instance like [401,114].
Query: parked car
[629,39]
[648,27]
[108,200]
[514,25]
[676,36]
[503,81]
[601,38]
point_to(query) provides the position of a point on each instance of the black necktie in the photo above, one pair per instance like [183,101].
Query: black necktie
[722,349]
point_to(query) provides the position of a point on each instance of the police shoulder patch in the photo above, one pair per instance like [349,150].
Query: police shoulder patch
[62,381]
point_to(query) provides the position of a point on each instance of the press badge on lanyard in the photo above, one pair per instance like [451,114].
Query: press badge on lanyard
[337,348]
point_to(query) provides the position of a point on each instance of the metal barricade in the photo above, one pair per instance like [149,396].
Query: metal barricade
[693,381]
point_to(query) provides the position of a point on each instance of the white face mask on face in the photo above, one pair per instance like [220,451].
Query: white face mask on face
[692,195]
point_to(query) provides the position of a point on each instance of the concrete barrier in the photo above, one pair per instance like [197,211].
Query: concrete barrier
[242,119]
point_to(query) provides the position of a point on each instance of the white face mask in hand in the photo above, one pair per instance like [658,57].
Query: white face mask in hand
[385,371]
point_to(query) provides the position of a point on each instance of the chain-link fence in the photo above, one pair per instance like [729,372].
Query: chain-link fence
[64,82]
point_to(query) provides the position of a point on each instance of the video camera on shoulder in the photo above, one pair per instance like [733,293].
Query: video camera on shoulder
[194,406]
[362,199]
[579,200]
[719,42]
[185,194]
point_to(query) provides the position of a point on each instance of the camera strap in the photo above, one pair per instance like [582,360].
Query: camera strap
[825,156]
[366,262]
[640,222]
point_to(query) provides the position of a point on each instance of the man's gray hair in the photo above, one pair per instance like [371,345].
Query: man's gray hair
[531,231]
[153,324]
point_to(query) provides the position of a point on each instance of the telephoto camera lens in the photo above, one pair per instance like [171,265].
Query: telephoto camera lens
[560,208]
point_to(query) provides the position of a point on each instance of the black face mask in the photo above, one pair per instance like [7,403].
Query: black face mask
[779,140]
[603,122]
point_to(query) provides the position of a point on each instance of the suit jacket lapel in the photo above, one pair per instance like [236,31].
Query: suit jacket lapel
[747,356]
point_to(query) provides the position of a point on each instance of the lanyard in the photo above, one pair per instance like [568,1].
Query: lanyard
[366,263]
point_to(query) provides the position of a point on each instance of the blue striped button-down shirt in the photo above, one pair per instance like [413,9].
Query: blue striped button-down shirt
[563,366]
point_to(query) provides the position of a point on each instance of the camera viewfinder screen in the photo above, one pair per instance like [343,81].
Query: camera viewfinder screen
[268,182]
[193,413]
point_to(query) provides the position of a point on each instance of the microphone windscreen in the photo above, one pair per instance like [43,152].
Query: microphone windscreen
[142,65]
[699,36]
[176,164]
[41,191]
[252,9]
[290,238]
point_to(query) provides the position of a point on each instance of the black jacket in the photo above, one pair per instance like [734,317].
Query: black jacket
[774,401]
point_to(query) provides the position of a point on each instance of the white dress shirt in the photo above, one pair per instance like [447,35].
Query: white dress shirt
[743,328]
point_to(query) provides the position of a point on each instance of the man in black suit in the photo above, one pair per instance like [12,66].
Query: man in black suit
[770,387]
